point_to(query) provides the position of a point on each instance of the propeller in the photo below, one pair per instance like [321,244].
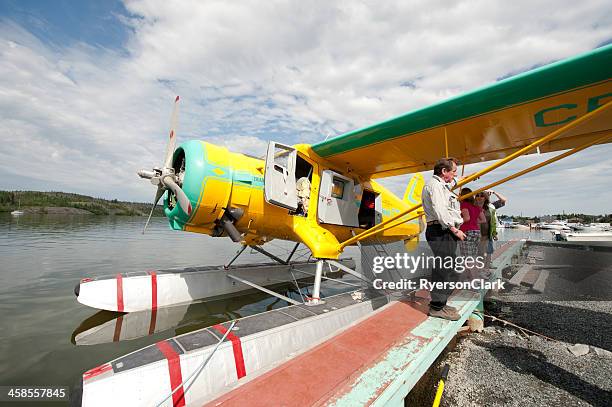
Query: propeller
[165,178]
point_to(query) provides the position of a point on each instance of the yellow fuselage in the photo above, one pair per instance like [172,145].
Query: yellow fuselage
[233,180]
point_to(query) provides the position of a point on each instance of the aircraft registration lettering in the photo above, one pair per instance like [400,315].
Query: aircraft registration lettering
[569,108]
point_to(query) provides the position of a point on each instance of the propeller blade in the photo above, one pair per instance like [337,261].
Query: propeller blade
[172,137]
[182,199]
[146,174]
[160,191]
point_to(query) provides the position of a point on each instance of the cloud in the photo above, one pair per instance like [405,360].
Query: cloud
[87,117]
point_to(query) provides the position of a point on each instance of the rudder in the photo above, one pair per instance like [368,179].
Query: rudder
[414,189]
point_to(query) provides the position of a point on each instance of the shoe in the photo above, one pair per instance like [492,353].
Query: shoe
[447,312]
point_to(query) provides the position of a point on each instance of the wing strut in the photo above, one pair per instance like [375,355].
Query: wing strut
[540,165]
[391,222]
[602,139]
[445,143]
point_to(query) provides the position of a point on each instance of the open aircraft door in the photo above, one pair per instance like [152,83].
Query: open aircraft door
[337,205]
[279,179]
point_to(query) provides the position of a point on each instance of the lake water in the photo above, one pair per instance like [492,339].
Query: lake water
[42,258]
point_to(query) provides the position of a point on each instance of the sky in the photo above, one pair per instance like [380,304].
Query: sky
[87,87]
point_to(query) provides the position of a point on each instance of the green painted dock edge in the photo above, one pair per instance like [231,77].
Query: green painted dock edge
[389,381]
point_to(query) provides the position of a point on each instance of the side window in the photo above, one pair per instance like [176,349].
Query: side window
[337,188]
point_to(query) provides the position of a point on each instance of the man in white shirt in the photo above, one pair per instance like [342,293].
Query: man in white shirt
[443,216]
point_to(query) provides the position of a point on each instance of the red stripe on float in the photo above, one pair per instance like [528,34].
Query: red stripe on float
[153,321]
[237,346]
[153,302]
[96,371]
[117,333]
[174,371]
[119,293]
[153,290]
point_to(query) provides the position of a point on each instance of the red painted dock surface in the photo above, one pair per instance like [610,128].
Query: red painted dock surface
[314,376]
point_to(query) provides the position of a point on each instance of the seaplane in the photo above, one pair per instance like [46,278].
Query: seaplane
[326,197]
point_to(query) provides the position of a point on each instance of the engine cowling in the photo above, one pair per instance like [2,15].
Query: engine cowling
[205,175]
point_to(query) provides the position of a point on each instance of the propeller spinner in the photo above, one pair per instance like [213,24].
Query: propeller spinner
[165,178]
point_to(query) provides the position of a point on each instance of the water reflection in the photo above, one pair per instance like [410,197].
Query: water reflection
[107,326]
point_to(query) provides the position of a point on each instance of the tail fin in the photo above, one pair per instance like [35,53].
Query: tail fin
[414,189]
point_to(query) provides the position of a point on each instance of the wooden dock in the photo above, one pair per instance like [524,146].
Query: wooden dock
[376,361]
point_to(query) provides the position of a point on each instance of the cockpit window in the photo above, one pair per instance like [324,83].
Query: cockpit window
[337,188]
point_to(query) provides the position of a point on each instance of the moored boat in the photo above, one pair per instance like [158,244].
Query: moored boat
[554,225]
[586,236]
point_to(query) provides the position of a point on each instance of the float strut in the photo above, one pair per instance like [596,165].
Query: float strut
[349,271]
[292,252]
[265,290]
[238,253]
[316,290]
[270,255]
[330,279]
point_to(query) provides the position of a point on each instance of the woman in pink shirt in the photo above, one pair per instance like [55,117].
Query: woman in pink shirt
[473,216]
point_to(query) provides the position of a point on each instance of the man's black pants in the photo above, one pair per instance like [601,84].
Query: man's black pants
[443,244]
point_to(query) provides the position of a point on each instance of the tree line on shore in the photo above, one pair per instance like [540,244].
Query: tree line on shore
[41,202]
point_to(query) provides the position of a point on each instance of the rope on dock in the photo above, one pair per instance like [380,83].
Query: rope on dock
[522,329]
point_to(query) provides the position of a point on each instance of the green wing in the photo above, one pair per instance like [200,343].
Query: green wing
[488,123]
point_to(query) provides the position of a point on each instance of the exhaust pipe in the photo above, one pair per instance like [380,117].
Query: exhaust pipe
[228,219]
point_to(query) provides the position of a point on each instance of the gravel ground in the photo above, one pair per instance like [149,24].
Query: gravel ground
[506,366]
